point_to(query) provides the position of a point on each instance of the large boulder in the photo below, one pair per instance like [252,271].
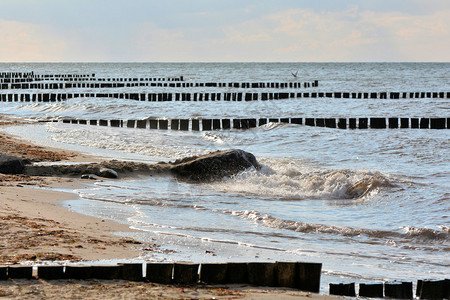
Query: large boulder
[214,166]
[11,164]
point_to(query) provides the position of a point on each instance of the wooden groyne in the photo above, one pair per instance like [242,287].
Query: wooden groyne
[425,289]
[298,275]
[213,96]
[12,81]
[248,123]
[10,84]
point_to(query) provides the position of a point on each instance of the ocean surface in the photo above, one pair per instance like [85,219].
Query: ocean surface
[369,205]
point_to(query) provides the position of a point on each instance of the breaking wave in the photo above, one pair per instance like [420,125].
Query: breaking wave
[294,180]
[407,233]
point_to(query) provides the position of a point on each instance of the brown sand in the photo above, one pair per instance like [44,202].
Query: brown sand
[34,227]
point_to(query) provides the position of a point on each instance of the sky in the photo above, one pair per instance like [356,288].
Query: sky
[224,31]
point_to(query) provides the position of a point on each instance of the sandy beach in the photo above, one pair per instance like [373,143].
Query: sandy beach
[35,227]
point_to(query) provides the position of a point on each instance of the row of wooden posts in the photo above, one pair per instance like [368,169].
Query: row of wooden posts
[32,75]
[17,77]
[425,289]
[6,85]
[87,79]
[298,275]
[217,124]
[226,96]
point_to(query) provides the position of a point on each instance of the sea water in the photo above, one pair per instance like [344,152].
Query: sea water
[367,204]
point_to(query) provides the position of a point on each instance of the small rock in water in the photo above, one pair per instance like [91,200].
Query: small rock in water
[87,176]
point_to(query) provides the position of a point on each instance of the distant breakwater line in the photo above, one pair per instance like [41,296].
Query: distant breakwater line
[219,96]
[248,123]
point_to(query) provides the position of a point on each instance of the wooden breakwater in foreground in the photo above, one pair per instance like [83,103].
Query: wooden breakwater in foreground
[248,123]
[425,289]
[297,275]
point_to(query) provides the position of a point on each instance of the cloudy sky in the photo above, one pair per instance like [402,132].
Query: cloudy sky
[224,30]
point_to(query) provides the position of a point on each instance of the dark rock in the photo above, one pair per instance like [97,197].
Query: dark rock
[214,166]
[208,167]
[107,173]
[11,164]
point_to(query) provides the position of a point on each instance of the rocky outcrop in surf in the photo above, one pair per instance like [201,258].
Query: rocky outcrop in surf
[209,167]
[214,166]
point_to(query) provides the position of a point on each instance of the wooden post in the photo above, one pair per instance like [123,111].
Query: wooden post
[50,272]
[261,274]
[163,124]
[371,290]
[398,290]
[437,123]
[78,272]
[216,124]
[424,123]
[130,123]
[226,124]
[320,122]
[206,124]
[262,121]
[309,122]
[237,273]
[132,271]
[153,124]
[363,123]
[330,122]
[214,273]
[195,124]
[286,274]
[297,121]
[378,123]
[185,273]
[184,124]
[434,289]
[414,122]
[174,124]
[3,273]
[393,123]
[309,276]
[141,124]
[20,272]
[404,123]
[106,272]
[159,272]
[342,289]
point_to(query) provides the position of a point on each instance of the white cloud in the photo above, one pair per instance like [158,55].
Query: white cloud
[349,34]
[30,42]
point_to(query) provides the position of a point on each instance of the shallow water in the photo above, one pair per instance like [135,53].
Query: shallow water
[368,204]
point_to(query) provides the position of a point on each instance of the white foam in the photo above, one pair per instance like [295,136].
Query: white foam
[290,179]
[156,144]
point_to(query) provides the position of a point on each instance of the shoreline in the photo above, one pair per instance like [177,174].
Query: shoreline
[36,227]
[67,234]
